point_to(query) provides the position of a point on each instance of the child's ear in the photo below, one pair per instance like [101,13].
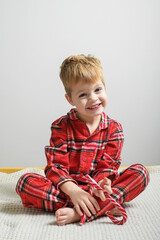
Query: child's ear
[69,99]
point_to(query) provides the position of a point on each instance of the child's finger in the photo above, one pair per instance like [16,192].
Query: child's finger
[95,203]
[78,210]
[107,181]
[100,194]
[108,189]
[85,209]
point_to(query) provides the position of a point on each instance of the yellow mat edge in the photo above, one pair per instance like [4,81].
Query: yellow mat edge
[12,170]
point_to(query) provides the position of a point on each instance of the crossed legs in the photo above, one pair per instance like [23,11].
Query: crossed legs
[38,192]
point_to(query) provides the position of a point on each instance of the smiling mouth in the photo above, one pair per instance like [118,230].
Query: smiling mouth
[94,107]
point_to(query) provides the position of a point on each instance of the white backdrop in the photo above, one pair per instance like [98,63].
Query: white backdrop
[37,35]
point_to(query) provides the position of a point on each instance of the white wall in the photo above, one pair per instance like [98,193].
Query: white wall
[37,35]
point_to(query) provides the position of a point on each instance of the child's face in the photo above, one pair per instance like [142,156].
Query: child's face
[89,99]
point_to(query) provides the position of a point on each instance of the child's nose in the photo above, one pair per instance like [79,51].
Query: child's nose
[93,97]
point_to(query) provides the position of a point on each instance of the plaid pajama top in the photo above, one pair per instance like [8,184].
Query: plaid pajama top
[74,151]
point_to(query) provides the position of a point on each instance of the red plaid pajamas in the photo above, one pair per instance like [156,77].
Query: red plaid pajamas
[72,152]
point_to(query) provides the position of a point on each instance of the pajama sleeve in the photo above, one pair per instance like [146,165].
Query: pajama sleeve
[111,159]
[57,169]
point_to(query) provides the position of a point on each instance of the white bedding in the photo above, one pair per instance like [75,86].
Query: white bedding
[17,222]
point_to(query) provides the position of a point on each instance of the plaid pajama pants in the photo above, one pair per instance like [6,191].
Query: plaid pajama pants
[39,192]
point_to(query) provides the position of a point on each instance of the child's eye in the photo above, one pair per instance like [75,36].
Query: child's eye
[82,95]
[98,89]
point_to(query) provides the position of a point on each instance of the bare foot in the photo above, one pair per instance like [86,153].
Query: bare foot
[115,212]
[66,215]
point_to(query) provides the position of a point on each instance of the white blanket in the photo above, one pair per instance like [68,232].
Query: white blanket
[17,222]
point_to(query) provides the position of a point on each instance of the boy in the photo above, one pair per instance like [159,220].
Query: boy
[85,141]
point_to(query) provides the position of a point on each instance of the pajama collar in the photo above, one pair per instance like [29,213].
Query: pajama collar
[103,124]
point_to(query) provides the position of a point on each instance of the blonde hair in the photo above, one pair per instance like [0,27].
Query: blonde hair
[80,68]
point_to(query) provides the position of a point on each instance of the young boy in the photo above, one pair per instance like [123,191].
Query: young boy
[85,141]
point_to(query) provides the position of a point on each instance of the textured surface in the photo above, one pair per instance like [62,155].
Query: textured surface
[17,222]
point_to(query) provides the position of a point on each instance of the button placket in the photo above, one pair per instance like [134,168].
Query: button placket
[83,161]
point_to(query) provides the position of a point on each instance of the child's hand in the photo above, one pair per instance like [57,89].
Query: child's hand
[82,200]
[106,185]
